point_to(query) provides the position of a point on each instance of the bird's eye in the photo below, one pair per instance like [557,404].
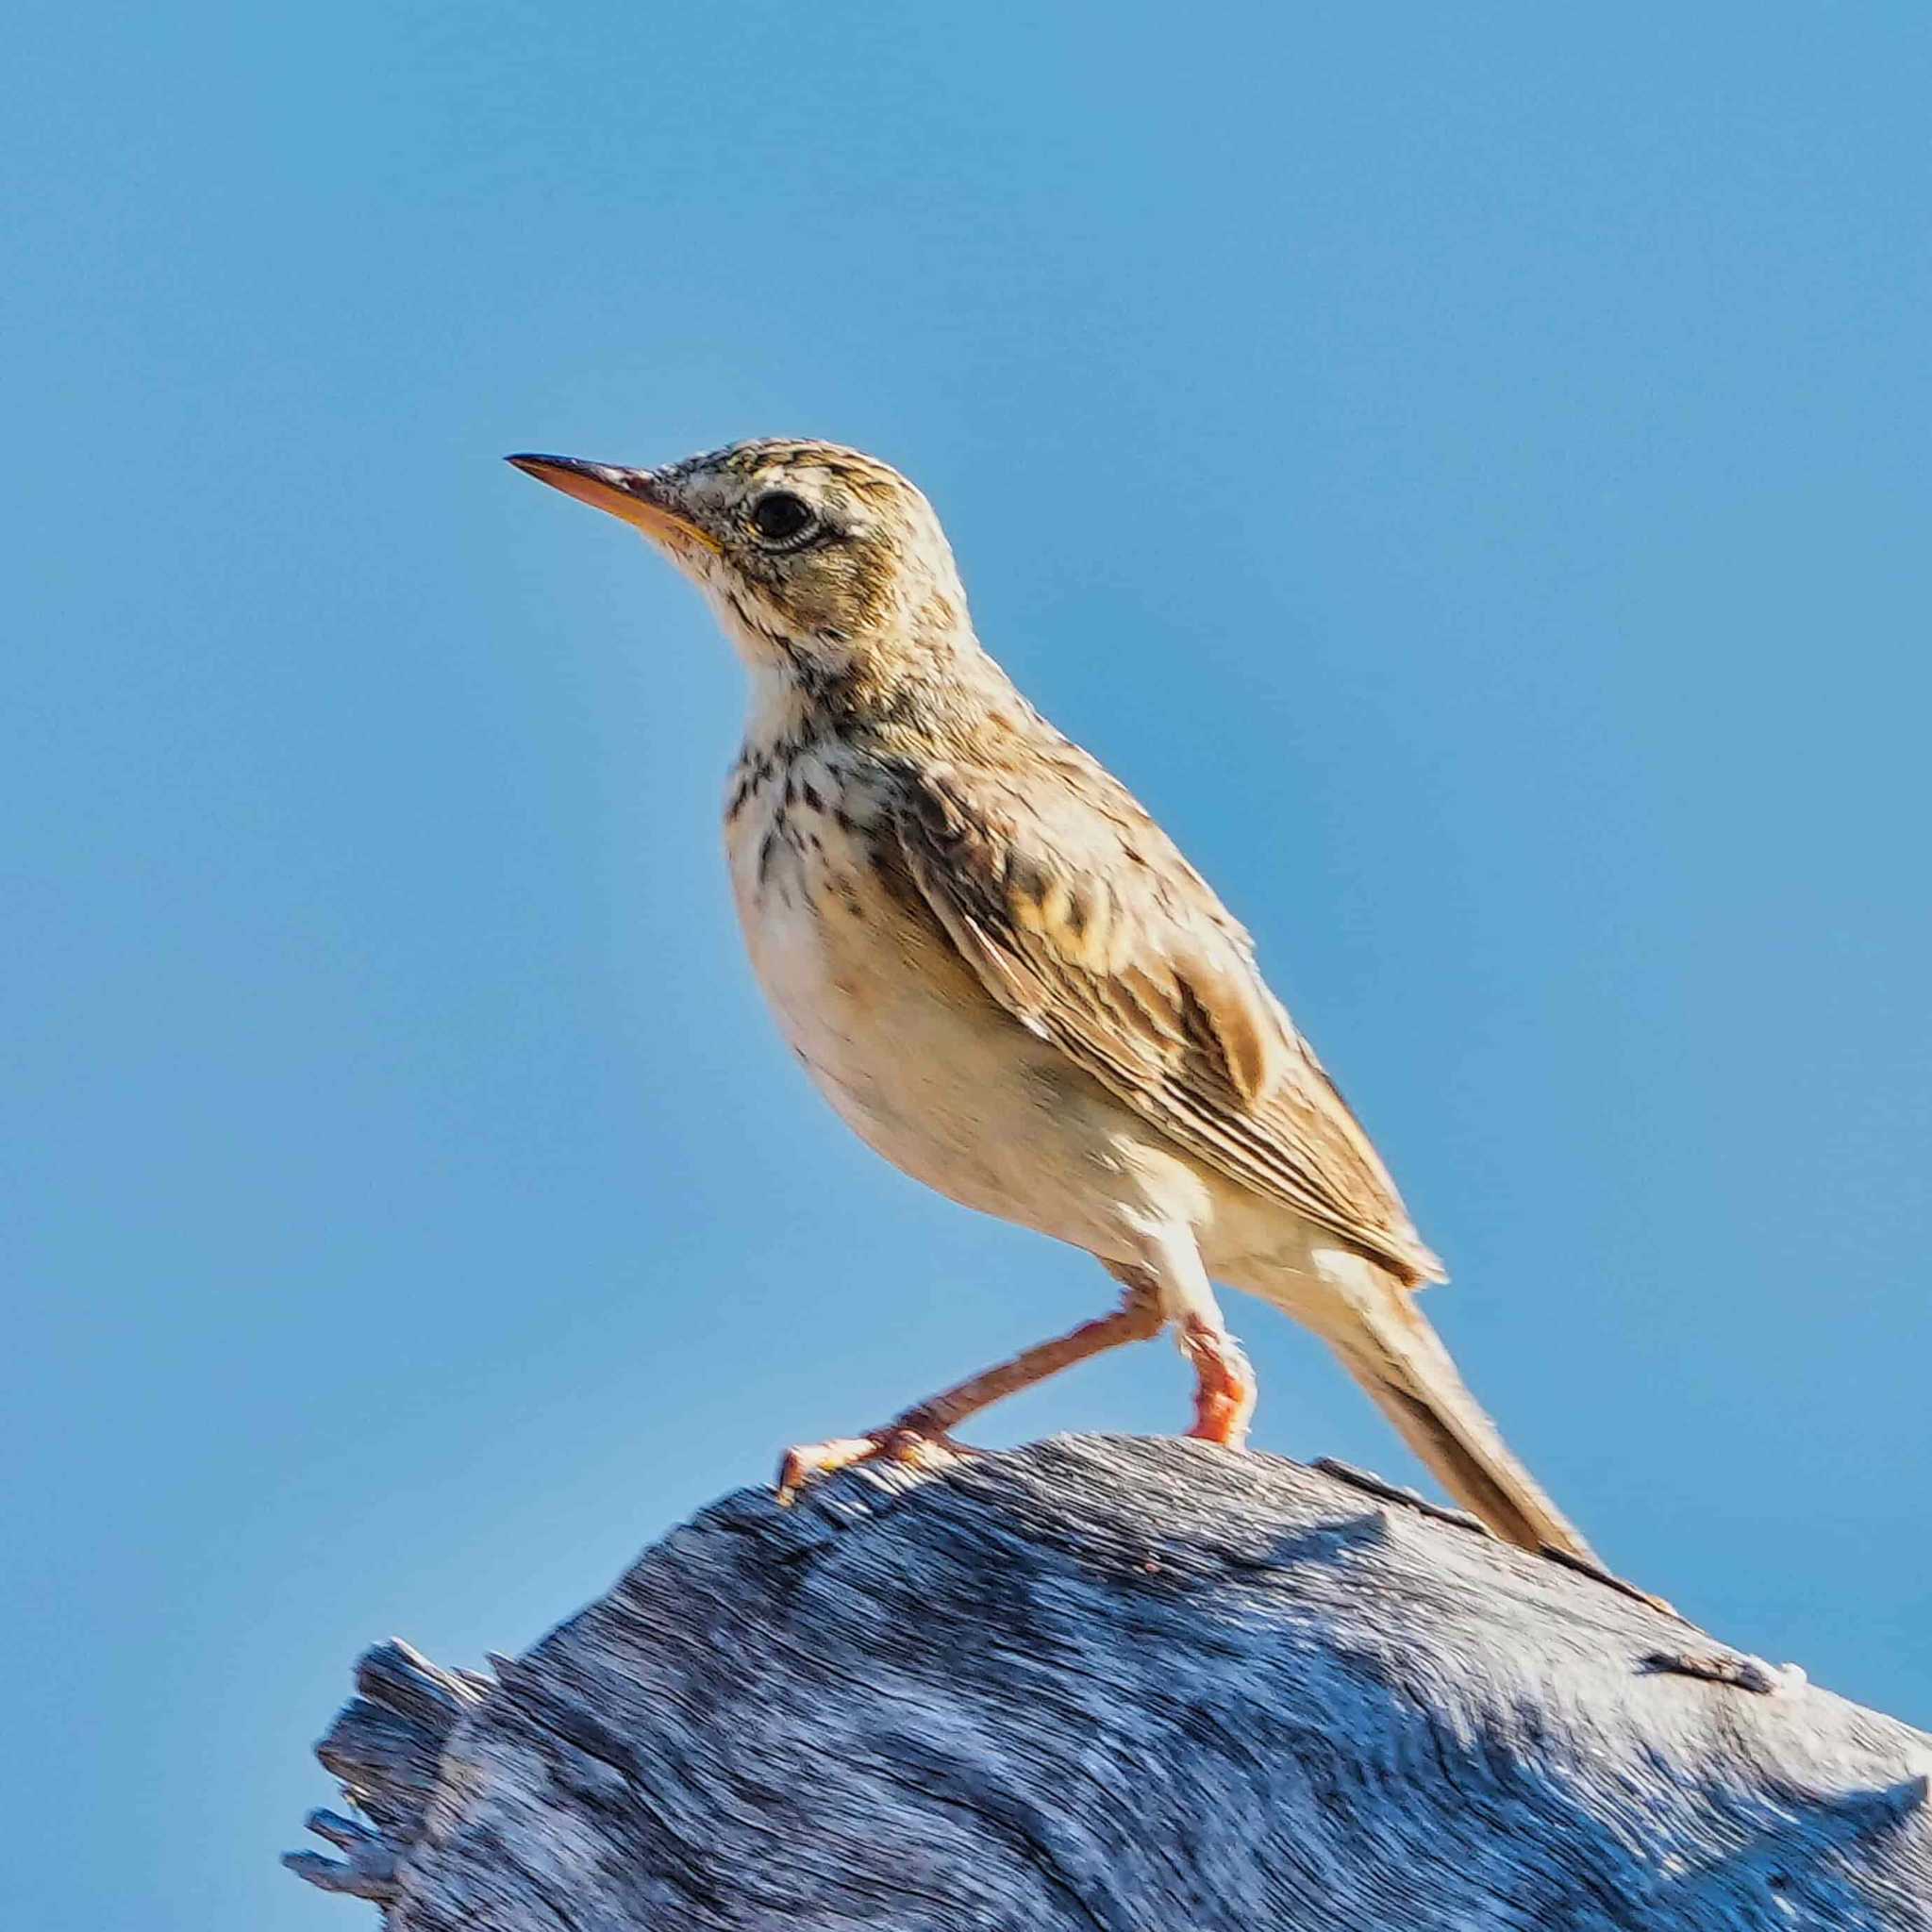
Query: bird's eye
[779,517]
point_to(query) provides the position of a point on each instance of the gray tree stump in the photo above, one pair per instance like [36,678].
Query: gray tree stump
[1137,1686]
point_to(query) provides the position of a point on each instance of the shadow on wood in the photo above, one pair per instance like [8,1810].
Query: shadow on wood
[1133,1684]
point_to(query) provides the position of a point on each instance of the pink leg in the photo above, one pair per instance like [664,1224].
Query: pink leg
[1223,1382]
[919,1437]
[1224,1387]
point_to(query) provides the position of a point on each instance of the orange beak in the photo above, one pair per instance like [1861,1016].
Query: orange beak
[633,494]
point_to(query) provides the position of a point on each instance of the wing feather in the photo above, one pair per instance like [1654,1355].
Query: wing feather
[1078,915]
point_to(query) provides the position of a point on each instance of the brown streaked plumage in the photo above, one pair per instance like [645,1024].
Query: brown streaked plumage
[1155,992]
[1005,976]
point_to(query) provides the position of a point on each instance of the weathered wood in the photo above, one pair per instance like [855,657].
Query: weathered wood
[1137,1686]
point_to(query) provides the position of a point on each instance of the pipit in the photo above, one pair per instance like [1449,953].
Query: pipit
[1005,978]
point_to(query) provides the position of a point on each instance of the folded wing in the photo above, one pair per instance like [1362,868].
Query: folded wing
[1079,915]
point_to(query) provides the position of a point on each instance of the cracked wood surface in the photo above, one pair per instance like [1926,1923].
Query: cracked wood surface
[1114,1684]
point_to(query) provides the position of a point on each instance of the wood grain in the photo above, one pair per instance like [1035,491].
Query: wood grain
[1114,1684]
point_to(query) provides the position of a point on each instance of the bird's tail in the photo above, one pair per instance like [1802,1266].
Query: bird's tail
[1388,1346]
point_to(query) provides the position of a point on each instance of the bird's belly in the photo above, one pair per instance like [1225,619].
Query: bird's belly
[924,1065]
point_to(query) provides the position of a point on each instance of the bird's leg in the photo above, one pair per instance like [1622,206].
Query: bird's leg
[919,1437]
[1225,1386]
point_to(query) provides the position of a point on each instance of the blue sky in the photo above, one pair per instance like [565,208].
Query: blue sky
[1465,469]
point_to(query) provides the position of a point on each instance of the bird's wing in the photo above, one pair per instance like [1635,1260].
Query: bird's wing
[1080,916]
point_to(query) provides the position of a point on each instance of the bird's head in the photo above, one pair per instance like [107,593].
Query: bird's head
[821,563]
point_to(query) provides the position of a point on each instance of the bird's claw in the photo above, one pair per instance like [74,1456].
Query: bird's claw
[1224,1385]
[911,1448]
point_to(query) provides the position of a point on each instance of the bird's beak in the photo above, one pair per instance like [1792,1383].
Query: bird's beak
[636,495]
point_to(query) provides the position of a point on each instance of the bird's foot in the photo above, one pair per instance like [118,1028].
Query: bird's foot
[1224,1387]
[909,1447]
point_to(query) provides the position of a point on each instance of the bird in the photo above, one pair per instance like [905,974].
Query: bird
[1010,982]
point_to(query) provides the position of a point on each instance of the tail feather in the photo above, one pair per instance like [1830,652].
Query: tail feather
[1388,1346]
